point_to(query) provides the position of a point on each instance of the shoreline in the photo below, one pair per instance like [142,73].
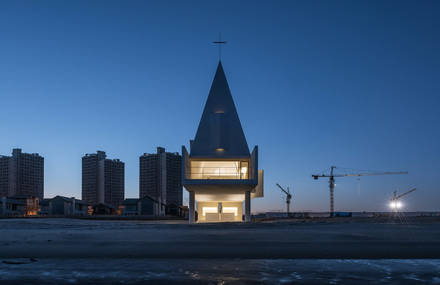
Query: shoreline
[220,271]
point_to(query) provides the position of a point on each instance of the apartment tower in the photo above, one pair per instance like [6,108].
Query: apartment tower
[22,174]
[102,179]
[160,177]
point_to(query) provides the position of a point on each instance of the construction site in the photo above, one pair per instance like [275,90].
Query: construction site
[395,201]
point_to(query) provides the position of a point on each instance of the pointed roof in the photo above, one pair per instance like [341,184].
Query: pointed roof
[219,134]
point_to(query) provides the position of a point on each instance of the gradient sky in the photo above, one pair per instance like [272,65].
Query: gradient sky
[316,83]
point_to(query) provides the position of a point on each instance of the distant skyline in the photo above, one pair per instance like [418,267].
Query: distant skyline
[347,83]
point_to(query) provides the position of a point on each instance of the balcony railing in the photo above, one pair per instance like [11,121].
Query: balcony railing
[217,173]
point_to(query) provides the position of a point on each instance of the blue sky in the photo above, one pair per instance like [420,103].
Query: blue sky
[316,83]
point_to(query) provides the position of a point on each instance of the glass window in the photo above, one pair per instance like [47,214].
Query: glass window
[232,210]
[219,169]
[206,210]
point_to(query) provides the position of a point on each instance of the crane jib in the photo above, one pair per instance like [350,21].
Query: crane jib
[332,176]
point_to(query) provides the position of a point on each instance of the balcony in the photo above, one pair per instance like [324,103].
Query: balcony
[215,171]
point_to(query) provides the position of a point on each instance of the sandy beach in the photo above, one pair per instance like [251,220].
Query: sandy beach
[319,251]
[343,238]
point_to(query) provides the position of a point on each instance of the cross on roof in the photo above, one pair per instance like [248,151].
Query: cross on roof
[219,43]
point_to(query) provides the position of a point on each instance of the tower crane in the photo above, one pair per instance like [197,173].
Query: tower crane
[332,176]
[395,203]
[288,198]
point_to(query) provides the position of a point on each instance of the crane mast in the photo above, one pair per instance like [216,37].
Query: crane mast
[288,198]
[332,191]
[331,181]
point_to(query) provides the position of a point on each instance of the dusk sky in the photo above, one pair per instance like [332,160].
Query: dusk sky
[316,83]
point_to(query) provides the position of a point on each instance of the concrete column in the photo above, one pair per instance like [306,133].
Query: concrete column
[247,207]
[192,205]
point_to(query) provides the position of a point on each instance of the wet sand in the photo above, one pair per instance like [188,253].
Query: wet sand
[322,239]
[223,272]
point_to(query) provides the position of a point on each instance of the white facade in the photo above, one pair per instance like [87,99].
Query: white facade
[219,172]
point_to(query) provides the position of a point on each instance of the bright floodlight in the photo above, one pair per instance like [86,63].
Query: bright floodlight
[395,205]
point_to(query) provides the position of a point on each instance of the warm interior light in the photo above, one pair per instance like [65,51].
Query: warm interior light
[219,149]
[233,210]
[206,210]
[216,169]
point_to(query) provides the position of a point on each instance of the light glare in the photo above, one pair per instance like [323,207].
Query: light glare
[396,205]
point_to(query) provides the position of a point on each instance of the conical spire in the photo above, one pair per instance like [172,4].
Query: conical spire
[220,133]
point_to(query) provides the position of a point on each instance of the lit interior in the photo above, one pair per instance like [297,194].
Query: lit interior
[233,210]
[206,210]
[219,169]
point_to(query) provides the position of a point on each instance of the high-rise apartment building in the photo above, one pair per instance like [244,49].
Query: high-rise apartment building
[4,175]
[160,177]
[22,174]
[102,179]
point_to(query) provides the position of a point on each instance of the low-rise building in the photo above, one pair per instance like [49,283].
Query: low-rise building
[151,207]
[12,207]
[65,206]
[44,207]
[104,209]
[31,205]
[131,207]
[145,206]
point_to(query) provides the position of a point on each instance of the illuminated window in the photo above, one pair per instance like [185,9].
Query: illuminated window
[213,210]
[219,170]
[233,210]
